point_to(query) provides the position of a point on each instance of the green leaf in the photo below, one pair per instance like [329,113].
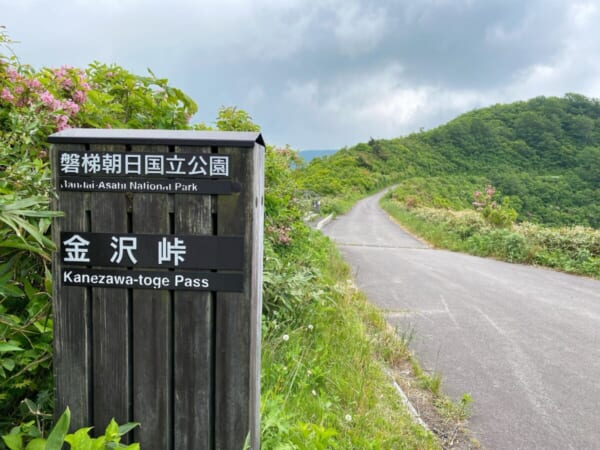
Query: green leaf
[48,280]
[80,440]
[58,433]
[8,364]
[36,444]
[112,430]
[29,290]
[10,290]
[99,443]
[134,446]
[4,347]
[126,428]
[13,441]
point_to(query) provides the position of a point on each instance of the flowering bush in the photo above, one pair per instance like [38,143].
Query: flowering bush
[34,104]
[499,215]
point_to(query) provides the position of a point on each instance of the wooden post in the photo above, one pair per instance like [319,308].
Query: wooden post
[158,283]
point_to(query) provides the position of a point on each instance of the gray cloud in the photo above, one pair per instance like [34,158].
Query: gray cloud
[328,73]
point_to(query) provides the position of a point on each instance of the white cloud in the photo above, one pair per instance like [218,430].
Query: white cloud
[344,69]
[583,12]
[305,93]
[380,103]
[357,29]
[574,68]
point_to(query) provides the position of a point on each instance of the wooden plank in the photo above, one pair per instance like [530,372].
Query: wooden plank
[71,313]
[237,330]
[152,333]
[156,137]
[111,319]
[256,286]
[194,344]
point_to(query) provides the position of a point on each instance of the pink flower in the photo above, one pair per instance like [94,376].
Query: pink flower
[6,95]
[70,107]
[62,122]
[79,97]
[13,75]
[33,83]
[47,98]
[66,84]
[61,72]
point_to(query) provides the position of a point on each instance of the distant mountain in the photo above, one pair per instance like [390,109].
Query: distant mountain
[543,153]
[307,155]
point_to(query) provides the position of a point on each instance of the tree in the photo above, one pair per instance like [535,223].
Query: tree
[232,119]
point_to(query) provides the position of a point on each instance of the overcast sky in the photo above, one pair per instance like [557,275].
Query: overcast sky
[327,73]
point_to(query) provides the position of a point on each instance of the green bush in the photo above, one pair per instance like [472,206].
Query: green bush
[571,249]
[28,437]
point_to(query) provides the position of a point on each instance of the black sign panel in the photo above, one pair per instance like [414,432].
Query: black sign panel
[152,251]
[145,165]
[167,173]
[191,281]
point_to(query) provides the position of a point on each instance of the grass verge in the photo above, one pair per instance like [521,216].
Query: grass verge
[573,250]
[326,364]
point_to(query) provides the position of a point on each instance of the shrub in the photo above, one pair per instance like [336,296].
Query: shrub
[27,437]
[572,249]
[499,215]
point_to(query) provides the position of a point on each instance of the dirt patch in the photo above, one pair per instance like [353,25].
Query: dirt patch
[451,430]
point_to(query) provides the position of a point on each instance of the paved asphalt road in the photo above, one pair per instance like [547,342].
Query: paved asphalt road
[523,341]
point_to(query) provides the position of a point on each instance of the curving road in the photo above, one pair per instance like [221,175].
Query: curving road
[523,341]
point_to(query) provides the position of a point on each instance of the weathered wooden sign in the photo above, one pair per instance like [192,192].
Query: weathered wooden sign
[158,289]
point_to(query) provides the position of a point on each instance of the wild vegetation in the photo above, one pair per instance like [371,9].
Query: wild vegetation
[314,396]
[541,158]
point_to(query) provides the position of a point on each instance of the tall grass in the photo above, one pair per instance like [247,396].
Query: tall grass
[570,249]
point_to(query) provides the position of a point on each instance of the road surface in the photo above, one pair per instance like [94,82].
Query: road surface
[523,341]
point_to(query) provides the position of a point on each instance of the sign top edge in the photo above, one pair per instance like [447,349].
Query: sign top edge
[157,137]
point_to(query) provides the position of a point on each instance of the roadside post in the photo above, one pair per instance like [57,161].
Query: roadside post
[158,283]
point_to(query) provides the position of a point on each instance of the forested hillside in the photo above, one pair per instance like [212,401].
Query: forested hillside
[543,154]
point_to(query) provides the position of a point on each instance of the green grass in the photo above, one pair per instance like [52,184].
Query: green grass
[323,379]
[569,249]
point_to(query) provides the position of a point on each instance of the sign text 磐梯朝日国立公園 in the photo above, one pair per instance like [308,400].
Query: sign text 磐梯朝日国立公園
[133,164]
[168,173]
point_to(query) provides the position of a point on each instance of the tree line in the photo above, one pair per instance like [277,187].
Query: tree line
[543,154]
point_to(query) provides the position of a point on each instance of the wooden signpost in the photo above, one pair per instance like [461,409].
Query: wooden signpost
[158,282]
